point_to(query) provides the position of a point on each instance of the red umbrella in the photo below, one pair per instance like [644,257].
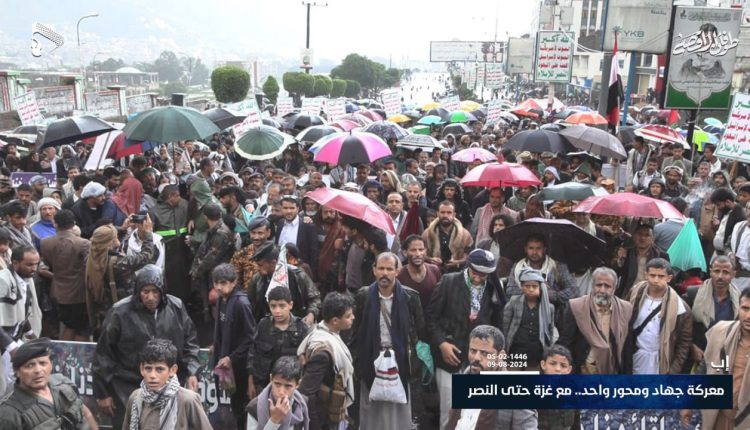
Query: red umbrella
[355,205]
[661,134]
[493,175]
[588,118]
[371,115]
[344,124]
[628,204]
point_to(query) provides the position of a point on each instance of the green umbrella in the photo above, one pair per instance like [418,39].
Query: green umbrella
[420,129]
[170,124]
[262,142]
[713,122]
[686,251]
[459,116]
[430,120]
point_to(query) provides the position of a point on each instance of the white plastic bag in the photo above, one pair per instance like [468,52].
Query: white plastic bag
[387,386]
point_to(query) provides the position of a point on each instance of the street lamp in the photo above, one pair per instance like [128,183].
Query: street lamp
[309,3]
[78,39]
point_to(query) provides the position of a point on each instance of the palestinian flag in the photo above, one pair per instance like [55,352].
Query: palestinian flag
[614,96]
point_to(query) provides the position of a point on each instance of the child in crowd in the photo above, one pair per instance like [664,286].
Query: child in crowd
[557,360]
[280,405]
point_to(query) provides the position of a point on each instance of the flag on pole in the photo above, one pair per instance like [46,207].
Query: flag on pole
[614,96]
[280,277]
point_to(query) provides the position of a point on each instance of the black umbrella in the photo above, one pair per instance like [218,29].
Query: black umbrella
[71,130]
[30,129]
[380,112]
[565,242]
[301,121]
[626,133]
[272,123]
[480,114]
[386,130]
[314,133]
[457,129]
[442,113]
[224,118]
[539,141]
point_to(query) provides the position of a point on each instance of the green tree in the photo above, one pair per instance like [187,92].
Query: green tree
[358,68]
[338,88]
[174,87]
[391,77]
[168,66]
[109,65]
[271,89]
[352,89]
[230,84]
[197,71]
[322,85]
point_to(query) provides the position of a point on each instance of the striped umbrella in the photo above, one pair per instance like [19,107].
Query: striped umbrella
[661,134]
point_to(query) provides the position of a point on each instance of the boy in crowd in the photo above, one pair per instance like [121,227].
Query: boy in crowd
[280,405]
[556,360]
[161,402]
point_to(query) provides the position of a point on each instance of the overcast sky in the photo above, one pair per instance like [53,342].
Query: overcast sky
[235,29]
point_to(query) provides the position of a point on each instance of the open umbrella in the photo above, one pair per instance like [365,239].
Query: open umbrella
[565,242]
[315,132]
[539,141]
[356,117]
[430,120]
[223,117]
[457,129]
[661,134]
[262,142]
[628,204]
[418,141]
[700,137]
[372,115]
[595,141]
[508,116]
[470,155]
[441,112]
[386,130]
[480,114]
[351,107]
[170,124]
[355,205]
[352,148]
[420,129]
[430,105]
[301,121]
[461,116]
[493,175]
[271,122]
[570,191]
[469,105]
[713,122]
[72,129]
[413,114]
[345,124]
[686,251]
[587,118]
[626,134]
[399,118]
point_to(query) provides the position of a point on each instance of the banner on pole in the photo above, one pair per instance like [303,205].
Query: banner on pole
[554,56]
[284,105]
[494,76]
[451,103]
[28,109]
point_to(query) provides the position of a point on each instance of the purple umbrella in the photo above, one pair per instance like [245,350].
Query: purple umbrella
[352,148]
[470,155]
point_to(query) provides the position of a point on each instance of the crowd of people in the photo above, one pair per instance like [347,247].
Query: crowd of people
[142,255]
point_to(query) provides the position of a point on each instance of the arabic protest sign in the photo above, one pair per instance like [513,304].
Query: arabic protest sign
[451,103]
[494,107]
[472,77]
[520,55]
[702,57]
[481,73]
[391,101]
[335,109]
[284,105]
[478,52]
[735,143]
[18,178]
[311,106]
[249,108]
[494,76]
[554,56]
[27,109]
[642,25]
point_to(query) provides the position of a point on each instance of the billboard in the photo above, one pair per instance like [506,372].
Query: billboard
[702,56]
[478,52]
[520,55]
[642,25]
[554,56]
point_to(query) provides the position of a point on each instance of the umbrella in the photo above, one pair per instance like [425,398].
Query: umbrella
[457,129]
[371,115]
[700,137]
[469,105]
[351,107]
[714,130]
[713,122]
[370,103]
[661,134]
[493,175]
[20,139]
[271,122]
[262,142]
[588,118]
[35,129]
[554,127]
[430,120]
[480,113]
[595,141]
[580,108]
[539,141]
[380,112]
[315,132]
[224,118]
[399,119]
[72,129]
[345,124]
[301,121]
[470,155]
[626,134]
[628,204]
[420,129]
[686,251]
[120,146]
[413,114]
[170,124]
[418,141]
[461,116]
[386,130]
[352,148]
[430,105]
[570,191]
[508,116]
[356,117]
[355,205]
[441,112]
[566,242]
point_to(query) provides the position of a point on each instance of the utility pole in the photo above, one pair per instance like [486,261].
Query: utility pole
[307,58]
[78,39]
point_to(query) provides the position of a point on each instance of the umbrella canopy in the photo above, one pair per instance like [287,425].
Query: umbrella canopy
[430,120]
[420,129]
[355,205]
[626,134]
[314,133]
[262,142]
[469,105]
[370,103]
[480,114]
[386,130]
[570,191]
[399,119]
[352,148]
[170,124]
[700,137]
[595,141]
[35,129]
[493,175]
[430,105]
[713,122]
[587,118]
[457,129]
[470,155]
[441,112]
[413,114]
[508,116]
[565,242]
[628,204]
[345,124]
[461,116]
[661,134]
[271,122]
[224,118]
[372,115]
[351,107]
[686,251]
[539,141]
[418,141]
[72,129]
[301,121]
[356,117]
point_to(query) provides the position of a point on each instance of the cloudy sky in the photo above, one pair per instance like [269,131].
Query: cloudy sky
[138,30]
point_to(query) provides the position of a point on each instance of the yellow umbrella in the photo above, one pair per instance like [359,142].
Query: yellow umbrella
[469,105]
[400,118]
[430,105]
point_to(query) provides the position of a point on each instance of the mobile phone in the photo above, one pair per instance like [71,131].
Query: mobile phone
[138,219]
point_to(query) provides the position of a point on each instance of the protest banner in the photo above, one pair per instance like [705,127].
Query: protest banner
[284,105]
[18,178]
[554,56]
[335,109]
[451,103]
[391,101]
[494,76]
[494,107]
[28,109]
[735,144]
[249,108]
[311,105]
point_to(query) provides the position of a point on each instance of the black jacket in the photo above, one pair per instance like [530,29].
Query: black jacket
[307,242]
[271,344]
[237,331]
[629,271]
[304,294]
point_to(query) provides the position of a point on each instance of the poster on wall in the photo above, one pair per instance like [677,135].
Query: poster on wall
[642,25]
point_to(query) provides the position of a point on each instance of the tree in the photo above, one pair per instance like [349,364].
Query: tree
[322,85]
[174,87]
[357,68]
[168,66]
[271,88]
[308,84]
[352,89]
[338,88]
[391,77]
[109,65]
[198,72]
[298,84]
[230,84]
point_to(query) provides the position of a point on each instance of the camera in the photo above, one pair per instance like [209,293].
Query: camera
[138,219]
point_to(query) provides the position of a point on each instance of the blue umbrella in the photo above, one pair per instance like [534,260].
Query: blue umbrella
[351,108]
[713,122]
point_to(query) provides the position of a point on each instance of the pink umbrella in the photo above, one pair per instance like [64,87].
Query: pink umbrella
[470,155]
[355,205]
[359,119]
[661,134]
[352,148]
[371,115]
[628,204]
[493,175]
[345,124]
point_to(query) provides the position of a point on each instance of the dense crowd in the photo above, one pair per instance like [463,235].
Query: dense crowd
[140,255]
